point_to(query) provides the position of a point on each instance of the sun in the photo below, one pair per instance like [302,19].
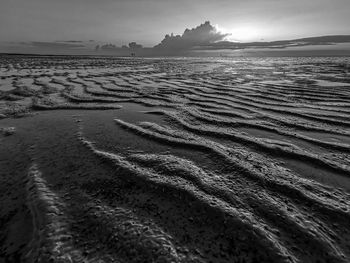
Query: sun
[245,33]
[242,33]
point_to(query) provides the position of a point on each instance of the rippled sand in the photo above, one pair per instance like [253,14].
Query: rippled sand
[174,160]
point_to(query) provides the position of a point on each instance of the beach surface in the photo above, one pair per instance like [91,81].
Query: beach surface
[174,159]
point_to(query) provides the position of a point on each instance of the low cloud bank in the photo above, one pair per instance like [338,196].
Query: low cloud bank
[204,37]
[67,47]
[66,44]
[110,47]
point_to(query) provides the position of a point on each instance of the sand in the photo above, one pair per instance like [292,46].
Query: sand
[174,160]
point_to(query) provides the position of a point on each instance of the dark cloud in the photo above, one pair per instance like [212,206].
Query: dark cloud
[70,41]
[134,45]
[54,45]
[107,47]
[202,35]
[312,41]
[47,48]
[114,48]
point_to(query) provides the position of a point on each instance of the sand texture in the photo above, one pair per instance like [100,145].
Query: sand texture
[174,160]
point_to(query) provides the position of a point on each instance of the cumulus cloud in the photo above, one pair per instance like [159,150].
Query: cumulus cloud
[202,35]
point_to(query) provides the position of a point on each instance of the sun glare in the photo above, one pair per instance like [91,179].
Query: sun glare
[244,33]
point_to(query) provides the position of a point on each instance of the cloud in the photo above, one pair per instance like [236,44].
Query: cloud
[106,47]
[202,38]
[134,45]
[54,45]
[70,41]
[111,47]
[45,47]
[280,44]
[206,37]
[202,35]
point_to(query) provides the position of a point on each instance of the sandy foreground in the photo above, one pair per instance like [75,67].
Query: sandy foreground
[174,160]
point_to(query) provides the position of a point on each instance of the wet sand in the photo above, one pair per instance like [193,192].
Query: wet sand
[174,160]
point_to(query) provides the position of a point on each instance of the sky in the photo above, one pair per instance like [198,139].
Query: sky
[147,21]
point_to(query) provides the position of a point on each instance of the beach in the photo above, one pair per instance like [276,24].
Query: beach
[216,159]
